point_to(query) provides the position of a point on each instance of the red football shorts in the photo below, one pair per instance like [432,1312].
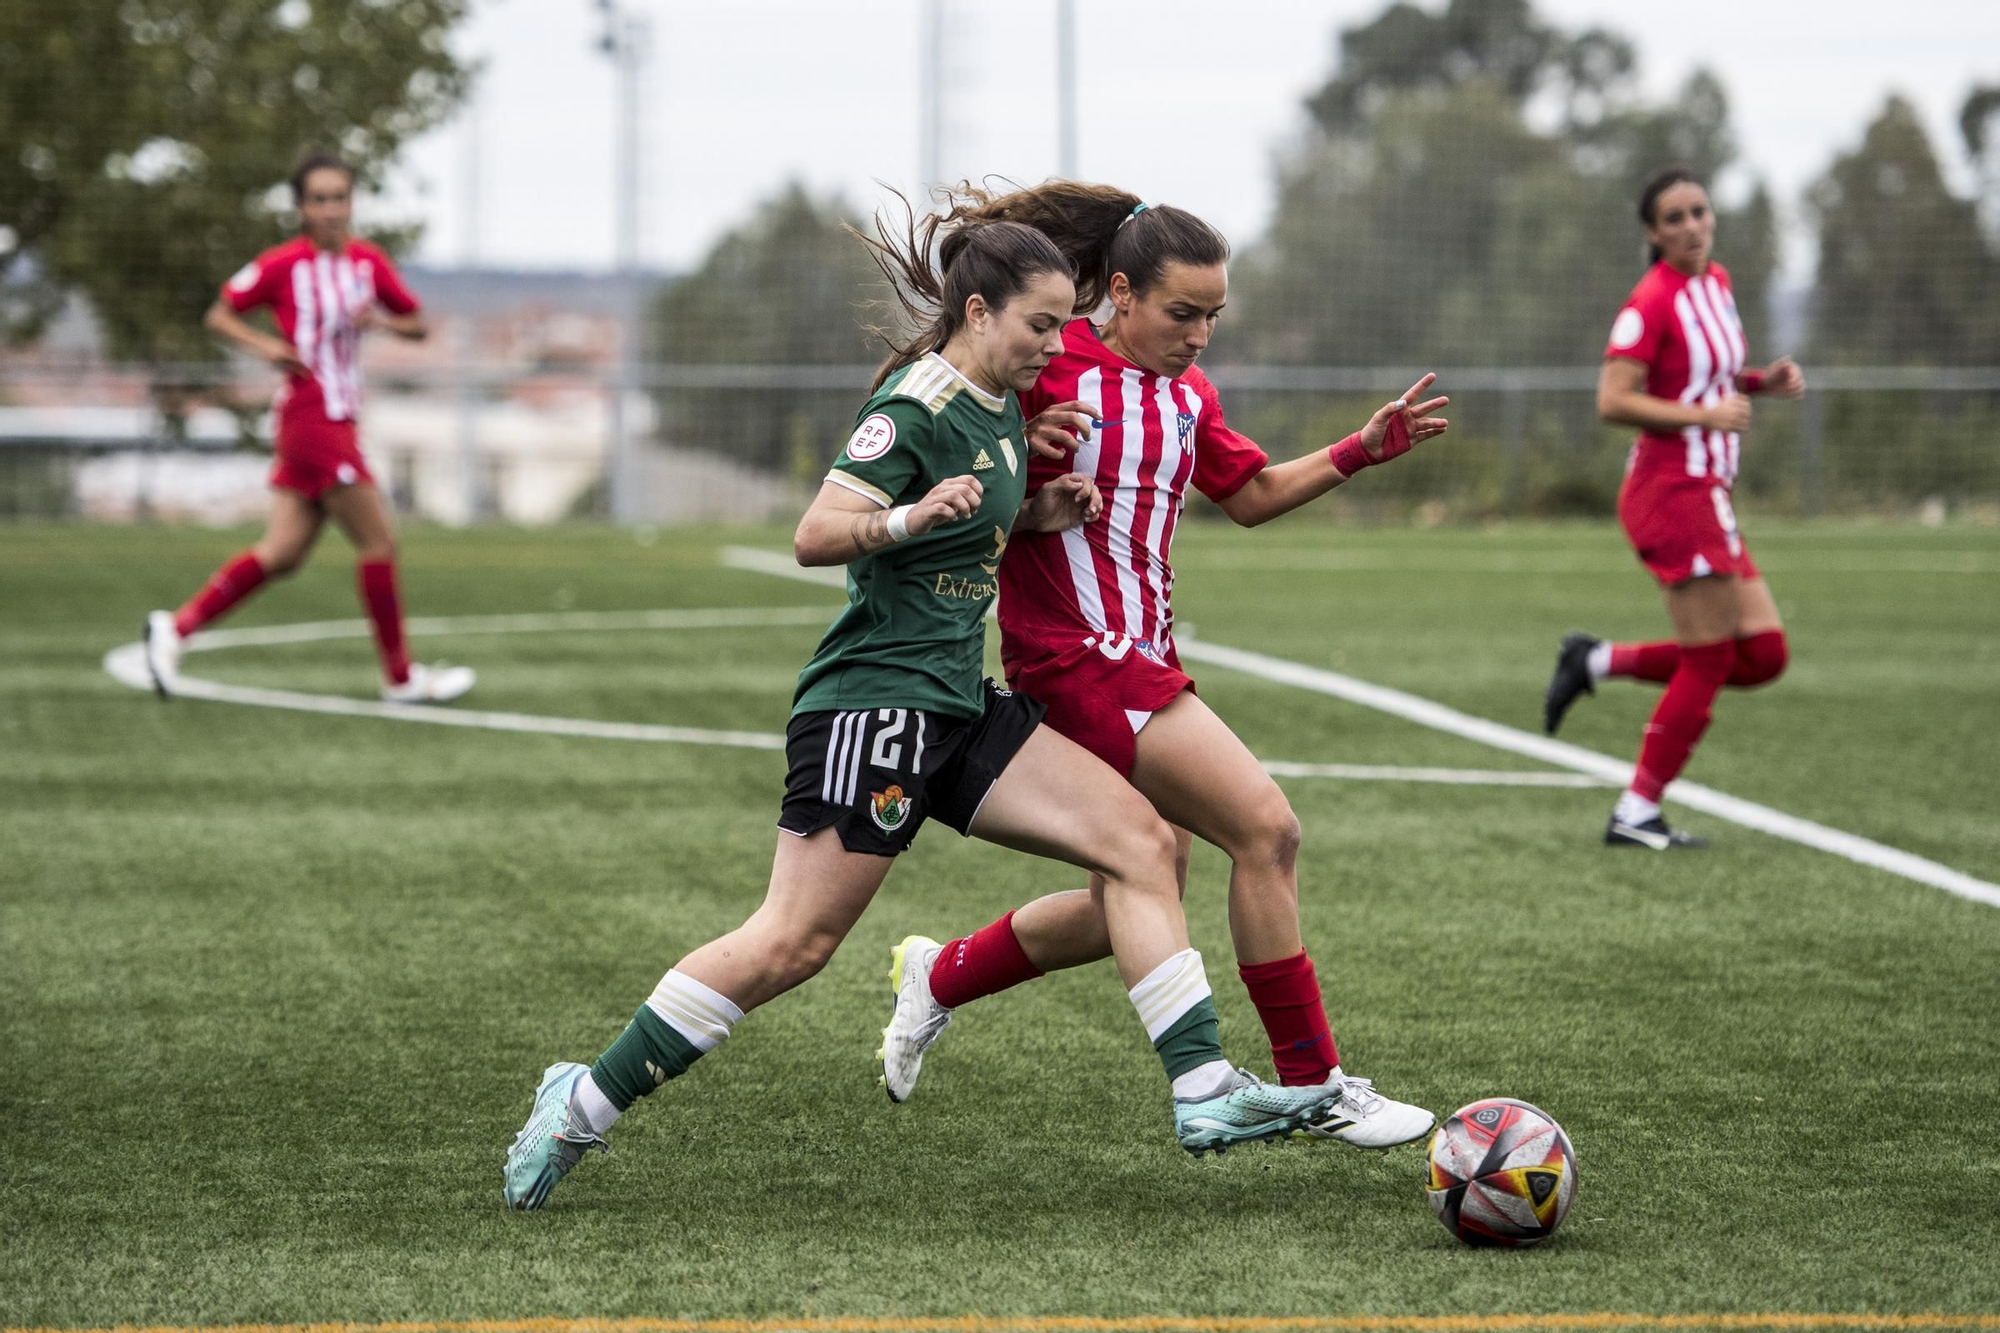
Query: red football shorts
[1092,687]
[1683,527]
[315,455]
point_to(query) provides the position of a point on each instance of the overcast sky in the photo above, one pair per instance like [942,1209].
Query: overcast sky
[1186,101]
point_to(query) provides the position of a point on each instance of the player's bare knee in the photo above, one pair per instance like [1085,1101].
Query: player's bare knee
[1146,852]
[800,958]
[1269,834]
[278,561]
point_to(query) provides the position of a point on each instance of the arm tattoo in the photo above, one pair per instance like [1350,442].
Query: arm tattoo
[869,532]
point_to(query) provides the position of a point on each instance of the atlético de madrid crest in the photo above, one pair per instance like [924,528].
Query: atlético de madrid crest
[890,808]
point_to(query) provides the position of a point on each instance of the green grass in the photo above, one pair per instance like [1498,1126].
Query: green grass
[277,986]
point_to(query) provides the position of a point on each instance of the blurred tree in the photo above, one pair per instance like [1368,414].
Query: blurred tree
[1979,126]
[788,287]
[1905,273]
[144,143]
[1467,195]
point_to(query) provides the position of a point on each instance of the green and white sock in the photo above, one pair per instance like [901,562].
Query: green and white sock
[1178,1009]
[682,1021]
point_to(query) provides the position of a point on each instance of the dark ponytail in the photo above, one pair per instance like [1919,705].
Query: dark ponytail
[1649,199]
[1102,230]
[933,278]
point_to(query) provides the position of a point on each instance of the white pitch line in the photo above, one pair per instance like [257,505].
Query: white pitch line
[1459,777]
[127,664]
[1438,717]
[1735,809]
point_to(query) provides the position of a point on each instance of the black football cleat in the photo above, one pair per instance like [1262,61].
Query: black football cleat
[1571,678]
[1653,834]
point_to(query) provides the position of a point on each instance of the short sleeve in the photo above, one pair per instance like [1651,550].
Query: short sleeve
[390,289]
[255,284]
[1637,331]
[884,456]
[1223,459]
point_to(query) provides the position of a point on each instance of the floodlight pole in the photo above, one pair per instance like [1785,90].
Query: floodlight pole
[627,40]
[1066,89]
[930,93]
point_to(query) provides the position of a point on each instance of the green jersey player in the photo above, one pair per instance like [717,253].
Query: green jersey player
[892,724]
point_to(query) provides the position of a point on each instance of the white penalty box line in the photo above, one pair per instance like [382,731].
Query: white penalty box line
[1601,768]
[127,664]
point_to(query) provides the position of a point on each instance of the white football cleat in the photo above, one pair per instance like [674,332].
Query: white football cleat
[917,1019]
[1365,1118]
[430,685]
[163,652]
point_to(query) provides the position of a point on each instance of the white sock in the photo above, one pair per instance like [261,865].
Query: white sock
[1633,808]
[1203,1081]
[589,1101]
[1599,660]
[1169,991]
[702,1015]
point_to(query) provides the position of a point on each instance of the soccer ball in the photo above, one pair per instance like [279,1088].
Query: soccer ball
[1501,1173]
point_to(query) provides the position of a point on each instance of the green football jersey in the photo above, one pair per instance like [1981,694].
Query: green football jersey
[913,634]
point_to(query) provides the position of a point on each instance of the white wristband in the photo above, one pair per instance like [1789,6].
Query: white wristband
[899,522]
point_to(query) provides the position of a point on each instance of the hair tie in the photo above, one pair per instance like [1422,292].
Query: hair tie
[1136,211]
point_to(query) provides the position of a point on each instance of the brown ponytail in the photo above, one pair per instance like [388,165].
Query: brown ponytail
[933,278]
[1101,229]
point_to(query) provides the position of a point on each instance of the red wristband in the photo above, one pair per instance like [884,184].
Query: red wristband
[1348,457]
[1750,381]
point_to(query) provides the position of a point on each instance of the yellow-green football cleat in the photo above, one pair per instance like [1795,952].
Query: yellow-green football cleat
[916,1020]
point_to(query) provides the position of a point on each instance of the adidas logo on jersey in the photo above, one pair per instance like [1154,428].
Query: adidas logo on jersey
[981,463]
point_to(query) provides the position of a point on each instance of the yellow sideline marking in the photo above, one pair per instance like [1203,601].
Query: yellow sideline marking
[1489,1323]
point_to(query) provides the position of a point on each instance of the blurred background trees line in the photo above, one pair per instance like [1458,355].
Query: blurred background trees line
[1463,198]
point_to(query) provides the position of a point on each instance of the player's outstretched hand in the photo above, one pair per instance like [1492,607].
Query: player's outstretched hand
[950,500]
[1065,502]
[1398,425]
[1056,431]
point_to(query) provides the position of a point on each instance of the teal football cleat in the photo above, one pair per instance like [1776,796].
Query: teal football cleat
[1248,1110]
[551,1143]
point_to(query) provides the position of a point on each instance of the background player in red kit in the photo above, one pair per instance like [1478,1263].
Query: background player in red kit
[1087,628]
[324,288]
[1676,368]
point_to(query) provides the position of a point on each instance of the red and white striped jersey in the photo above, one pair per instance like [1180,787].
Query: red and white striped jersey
[1156,435]
[315,295]
[1685,332]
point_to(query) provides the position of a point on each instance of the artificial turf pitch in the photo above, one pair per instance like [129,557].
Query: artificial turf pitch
[277,986]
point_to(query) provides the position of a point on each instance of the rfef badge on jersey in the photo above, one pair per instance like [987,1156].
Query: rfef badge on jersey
[871,439]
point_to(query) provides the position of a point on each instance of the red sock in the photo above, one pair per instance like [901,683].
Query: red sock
[983,963]
[1645,661]
[1760,659]
[1682,715]
[1287,997]
[385,611]
[237,579]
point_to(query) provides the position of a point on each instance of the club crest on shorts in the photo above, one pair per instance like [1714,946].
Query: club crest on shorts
[1149,652]
[889,808]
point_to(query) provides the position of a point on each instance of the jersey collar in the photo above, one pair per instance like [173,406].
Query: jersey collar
[979,395]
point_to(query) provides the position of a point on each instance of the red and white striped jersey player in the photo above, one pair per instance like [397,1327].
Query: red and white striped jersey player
[1676,366]
[324,288]
[1086,621]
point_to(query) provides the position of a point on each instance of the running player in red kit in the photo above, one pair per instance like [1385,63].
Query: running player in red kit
[1676,367]
[324,288]
[1086,627]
